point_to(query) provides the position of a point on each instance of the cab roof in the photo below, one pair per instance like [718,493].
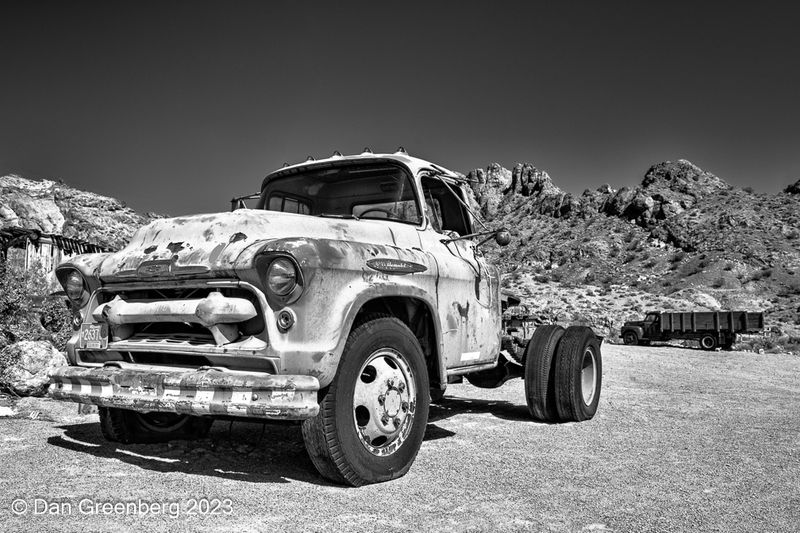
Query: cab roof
[414,164]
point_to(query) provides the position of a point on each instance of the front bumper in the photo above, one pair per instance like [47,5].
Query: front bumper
[204,392]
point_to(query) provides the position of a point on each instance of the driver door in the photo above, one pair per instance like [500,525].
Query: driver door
[468,305]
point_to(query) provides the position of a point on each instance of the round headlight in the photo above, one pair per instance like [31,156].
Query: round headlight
[74,286]
[281,276]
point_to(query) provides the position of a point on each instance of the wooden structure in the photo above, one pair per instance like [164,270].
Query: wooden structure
[29,247]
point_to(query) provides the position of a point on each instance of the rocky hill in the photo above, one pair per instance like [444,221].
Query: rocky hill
[683,239]
[53,207]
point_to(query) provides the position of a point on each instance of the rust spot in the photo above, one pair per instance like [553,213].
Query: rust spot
[462,311]
[208,234]
[150,249]
[175,247]
[238,236]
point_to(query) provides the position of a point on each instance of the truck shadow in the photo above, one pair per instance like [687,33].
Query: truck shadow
[249,451]
[451,406]
[244,451]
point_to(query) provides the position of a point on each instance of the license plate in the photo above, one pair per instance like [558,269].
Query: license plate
[93,336]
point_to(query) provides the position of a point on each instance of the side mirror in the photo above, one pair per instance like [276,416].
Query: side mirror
[502,237]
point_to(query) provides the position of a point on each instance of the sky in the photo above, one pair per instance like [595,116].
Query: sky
[175,107]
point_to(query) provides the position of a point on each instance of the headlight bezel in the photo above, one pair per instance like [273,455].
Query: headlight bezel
[281,277]
[264,264]
[75,285]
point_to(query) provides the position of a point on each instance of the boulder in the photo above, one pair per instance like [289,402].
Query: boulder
[794,188]
[30,363]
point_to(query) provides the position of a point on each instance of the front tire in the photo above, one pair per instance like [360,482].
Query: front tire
[127,427]
[579,374]
[630,337]
[373,415]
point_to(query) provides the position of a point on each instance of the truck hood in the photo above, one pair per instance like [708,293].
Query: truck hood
[208,245]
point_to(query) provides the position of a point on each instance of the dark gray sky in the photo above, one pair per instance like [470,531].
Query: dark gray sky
[177,106]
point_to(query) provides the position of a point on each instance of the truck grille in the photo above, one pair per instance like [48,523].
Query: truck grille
[191,316]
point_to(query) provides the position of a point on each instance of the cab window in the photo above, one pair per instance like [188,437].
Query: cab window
[374,191]
[445,212]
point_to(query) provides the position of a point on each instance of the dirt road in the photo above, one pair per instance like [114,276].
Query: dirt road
[684,440]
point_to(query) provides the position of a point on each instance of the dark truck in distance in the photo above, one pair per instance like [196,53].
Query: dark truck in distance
[709,328]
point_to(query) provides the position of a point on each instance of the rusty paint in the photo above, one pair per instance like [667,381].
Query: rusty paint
[238,236]
[175,247]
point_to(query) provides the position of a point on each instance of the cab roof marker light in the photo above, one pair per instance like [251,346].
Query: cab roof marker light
[310,158]
[401,150]
[366,150]
[337,153]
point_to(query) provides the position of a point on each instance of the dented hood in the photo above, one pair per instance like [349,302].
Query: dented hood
[208,245]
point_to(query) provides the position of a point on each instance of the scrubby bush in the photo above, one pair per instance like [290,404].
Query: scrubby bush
[27,311]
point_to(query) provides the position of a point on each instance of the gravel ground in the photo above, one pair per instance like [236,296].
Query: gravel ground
[683,441]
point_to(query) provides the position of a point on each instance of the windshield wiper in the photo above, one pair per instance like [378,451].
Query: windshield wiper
[334,215]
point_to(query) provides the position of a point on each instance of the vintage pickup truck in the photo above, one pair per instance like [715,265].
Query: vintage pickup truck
[348,297]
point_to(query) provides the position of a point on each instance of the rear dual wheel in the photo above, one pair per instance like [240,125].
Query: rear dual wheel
[563,374]
[708,342]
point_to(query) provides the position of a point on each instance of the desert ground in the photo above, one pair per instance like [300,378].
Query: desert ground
[684,440]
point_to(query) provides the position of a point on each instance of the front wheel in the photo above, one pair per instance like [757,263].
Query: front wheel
[579,374]
[630,337]
[126,426]
[373,415]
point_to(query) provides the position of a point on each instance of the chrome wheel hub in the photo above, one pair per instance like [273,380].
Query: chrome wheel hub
[384,402]
[588,376]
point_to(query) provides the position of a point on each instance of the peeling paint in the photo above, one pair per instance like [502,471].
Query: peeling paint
[238,236]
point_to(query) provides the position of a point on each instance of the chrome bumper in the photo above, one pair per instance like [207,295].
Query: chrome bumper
[204,392]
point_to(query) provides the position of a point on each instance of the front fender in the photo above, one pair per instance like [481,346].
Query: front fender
[337,284]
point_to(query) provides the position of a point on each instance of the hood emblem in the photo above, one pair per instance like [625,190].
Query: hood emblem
[154,268]
[395,266]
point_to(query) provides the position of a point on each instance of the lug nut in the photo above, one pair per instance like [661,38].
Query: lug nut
[385,419]
[396,422]
[401,386]
[381,399]
[404,407]
[390,383]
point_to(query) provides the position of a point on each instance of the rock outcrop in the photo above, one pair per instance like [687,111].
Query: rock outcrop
[53,207]
[681,231]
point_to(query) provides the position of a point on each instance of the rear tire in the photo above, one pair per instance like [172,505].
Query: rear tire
[373,415]
[630,337]
[127,427]
[708,342]
[539,373]
[579,374]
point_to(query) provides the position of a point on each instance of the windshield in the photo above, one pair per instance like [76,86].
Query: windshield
[355,191]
